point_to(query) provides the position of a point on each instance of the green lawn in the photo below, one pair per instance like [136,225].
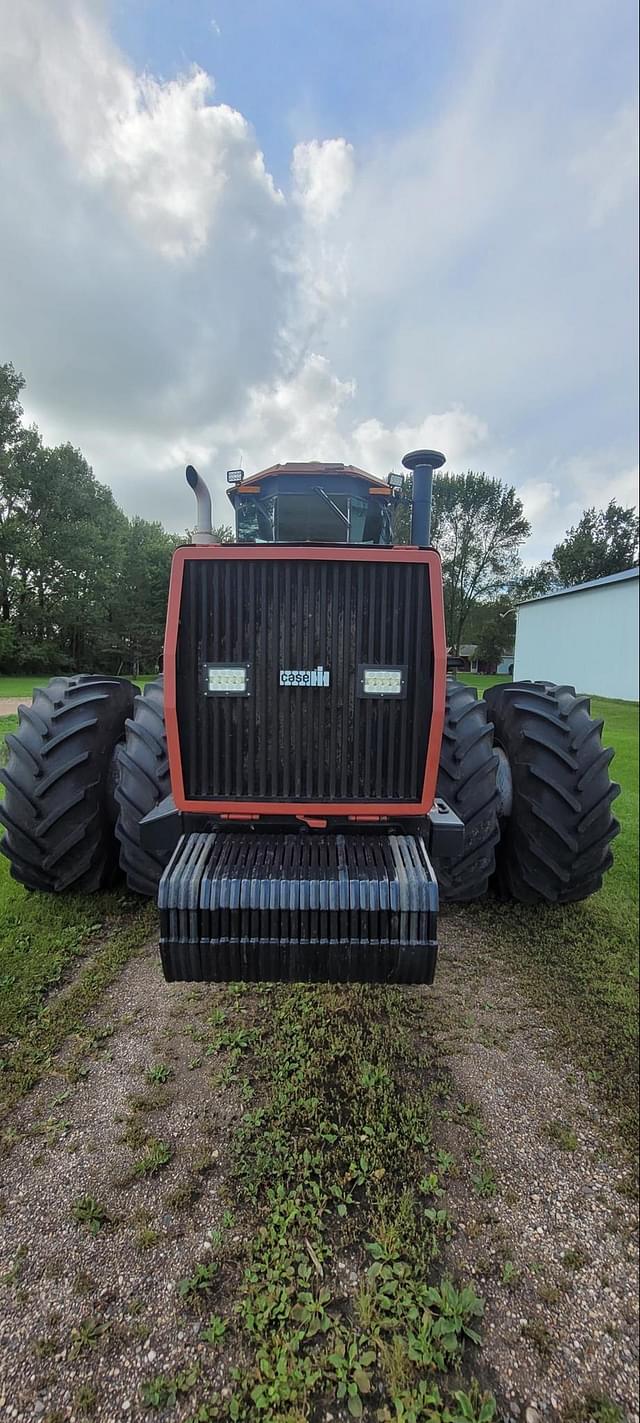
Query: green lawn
[23,685]
[580,963]
[42,937]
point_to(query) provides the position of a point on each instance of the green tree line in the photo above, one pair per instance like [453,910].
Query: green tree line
[82,586]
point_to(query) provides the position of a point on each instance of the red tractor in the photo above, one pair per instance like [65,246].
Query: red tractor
[303,782]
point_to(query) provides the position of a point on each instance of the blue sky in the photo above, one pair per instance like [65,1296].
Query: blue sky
[300,71]
[326,230]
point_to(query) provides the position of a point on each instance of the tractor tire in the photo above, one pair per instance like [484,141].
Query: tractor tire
[58,808]
[142,781]
[555,845]
[467,781]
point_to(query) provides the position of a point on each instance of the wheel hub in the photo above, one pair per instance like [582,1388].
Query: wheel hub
[504,784]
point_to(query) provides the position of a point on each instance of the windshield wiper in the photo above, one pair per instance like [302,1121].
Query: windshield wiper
[323,495]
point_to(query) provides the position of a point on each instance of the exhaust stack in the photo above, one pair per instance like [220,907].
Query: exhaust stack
[423,463]
[203,532]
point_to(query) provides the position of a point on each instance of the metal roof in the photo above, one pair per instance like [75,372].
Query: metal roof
[315,467]
[582,587]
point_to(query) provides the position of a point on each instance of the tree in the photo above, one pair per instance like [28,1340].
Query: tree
[478,526]
[492,627]
[81,585]
[534,582]
[604,541]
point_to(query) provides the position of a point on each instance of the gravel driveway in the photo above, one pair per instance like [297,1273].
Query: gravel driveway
[542,1220]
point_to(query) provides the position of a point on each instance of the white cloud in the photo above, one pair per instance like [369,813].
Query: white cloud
[322,177]
[608,167]
[163,152]
[463,284]
[539,498]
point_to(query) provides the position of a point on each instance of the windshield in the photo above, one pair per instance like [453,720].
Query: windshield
[317,516]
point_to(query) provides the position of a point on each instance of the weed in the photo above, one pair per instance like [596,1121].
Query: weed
[575,1259]
[86,1399]
[215,1330]
[14,1273]
[510,1273]
[83,1283]
[236,1041]
[147,1237]
[484,1182]
[157,1155]
[184,1194]
[538,1334]
[195,1288]
[163,1392]
[350,1367]
[54,1128]
[562,1135]
[88,1211]
[158,1074]
[87,1335]
[45,1348]
[593,1408]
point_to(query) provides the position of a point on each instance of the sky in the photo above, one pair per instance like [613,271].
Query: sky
[236,232]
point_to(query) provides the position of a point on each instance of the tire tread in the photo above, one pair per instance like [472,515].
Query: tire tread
[555,848]
[57,784]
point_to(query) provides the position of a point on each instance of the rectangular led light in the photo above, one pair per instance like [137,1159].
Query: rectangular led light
[224,679]
[235,476]
[382,681]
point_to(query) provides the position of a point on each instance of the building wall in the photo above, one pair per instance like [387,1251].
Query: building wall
[589,639]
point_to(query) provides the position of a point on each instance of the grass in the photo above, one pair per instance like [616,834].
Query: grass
[335,1277]
[338,1297]
[23,685]
[580,965]
[74,943]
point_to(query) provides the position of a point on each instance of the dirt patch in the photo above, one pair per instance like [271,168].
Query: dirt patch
[545,1224]
[9,705]
[89,1317]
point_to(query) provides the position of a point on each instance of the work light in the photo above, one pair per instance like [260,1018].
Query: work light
[382,681]
[227,679]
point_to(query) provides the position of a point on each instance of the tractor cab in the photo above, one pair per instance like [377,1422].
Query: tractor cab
[312,503]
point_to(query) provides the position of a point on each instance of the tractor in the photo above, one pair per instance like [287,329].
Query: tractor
[303,783]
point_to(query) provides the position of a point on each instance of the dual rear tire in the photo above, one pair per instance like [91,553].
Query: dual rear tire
[523,768]
[59,808]
[88,761]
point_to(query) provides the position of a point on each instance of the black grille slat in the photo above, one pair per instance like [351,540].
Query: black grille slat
[416,663]
[312,744]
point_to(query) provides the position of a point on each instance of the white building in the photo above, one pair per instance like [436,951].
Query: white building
[586,636]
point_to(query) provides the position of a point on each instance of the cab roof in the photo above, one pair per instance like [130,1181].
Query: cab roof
[298,469]
[316,467]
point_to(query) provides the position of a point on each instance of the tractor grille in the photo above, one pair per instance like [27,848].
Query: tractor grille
[316,743]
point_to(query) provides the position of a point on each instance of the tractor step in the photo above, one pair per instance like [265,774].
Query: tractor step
[299,907]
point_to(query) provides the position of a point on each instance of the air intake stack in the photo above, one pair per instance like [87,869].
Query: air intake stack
[422,463]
